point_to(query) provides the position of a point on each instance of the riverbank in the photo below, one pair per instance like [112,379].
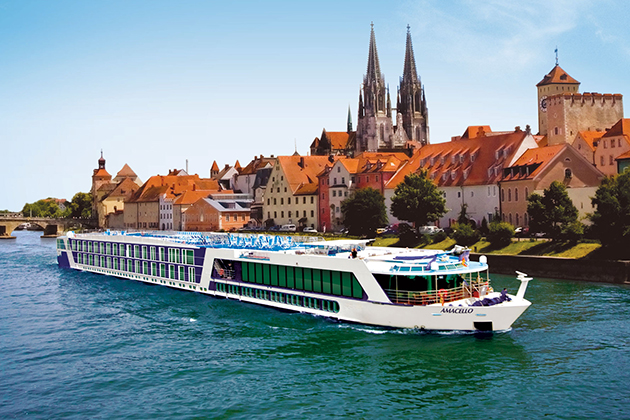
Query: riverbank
[584,261]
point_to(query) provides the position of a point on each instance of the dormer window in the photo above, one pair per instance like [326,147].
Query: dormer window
[453,175]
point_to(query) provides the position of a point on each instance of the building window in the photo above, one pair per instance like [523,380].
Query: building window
[275,214]
[281,201]
[282,214]
[503,195]
[602,161]
[567,173]
[289,200]
[227,217]
[517,219]
[338,169]
[459,194]
[312,200]
[510,197]
[611,161]
[605,144]
[312,213]
[303,200]
[526,194]
[516,196]
[289,213]
[334,193]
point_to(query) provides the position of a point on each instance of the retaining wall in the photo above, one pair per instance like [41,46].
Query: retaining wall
[560,268]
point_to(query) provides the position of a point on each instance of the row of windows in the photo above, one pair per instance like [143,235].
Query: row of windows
[611,160]
[301,301]
[297,200]
[612,143]
[330,282]
[509,194]
[141,267]
[517,219]
[289,214]
[186,256]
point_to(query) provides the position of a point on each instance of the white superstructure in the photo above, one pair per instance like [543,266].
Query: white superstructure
[343,279]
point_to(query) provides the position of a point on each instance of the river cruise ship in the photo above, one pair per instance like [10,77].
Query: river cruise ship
[342,279]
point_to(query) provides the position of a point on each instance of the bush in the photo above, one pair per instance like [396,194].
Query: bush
[573,231]
[500,233]
[465,235]
[439,237]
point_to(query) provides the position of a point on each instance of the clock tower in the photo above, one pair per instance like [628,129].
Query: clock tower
[556,82]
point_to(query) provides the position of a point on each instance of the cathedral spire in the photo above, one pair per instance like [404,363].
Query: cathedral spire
[373,74]
[410,73]
[349,120]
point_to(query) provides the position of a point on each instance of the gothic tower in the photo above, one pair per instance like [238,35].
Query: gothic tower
[374,125]
[412,104]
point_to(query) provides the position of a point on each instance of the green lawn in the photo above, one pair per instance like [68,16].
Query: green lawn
[522,247]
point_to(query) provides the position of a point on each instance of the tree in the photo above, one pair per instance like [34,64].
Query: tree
[81,206]
[553,213]
[47,207]
[464,234]
[500,233]
[364,212]
[611,219]
[418,200]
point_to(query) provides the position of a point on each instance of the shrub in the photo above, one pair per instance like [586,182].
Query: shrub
[573,231]
[439,237]
[500,233]
[465,235]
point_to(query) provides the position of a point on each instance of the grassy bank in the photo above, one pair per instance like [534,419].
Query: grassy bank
[584,249]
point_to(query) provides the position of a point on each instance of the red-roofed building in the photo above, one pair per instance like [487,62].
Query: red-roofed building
[536,169]
[291,193]
[613,143]
[586,142]
[152,206]
[466,170]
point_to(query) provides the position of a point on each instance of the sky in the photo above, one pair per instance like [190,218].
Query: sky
[157,83]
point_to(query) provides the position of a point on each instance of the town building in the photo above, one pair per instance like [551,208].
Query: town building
[218,212]
[612,144]
[153,205]
[536,169]
[343,176]
[467,170]
[109,195]
[291,193]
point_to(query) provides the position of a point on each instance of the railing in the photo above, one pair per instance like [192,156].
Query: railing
[408,297]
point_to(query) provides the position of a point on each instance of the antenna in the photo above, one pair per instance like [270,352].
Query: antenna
[186,165]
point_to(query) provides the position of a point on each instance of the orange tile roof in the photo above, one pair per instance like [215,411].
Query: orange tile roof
[189,196]
[172,186]
[624,156]
[474,131]
[101,173]
[590,137]
[338,139]
[621,128]
[215,167]
[539,156]
[257,163]
[483,159]
[557,75]
[302,170]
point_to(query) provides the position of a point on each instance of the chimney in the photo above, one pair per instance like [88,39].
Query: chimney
[301,163]
[331,158]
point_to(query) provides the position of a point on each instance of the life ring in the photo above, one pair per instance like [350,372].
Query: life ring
[221,272]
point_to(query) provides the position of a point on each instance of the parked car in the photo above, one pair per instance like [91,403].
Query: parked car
[429,230]
[309,229]
[380,231]
[288,228]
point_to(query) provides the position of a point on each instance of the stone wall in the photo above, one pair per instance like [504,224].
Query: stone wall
[560,268]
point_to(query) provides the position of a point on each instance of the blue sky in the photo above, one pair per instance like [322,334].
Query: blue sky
[154,83]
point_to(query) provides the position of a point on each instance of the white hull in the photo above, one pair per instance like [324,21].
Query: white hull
[374,308]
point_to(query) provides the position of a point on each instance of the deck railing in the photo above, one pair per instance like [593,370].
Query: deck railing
[409,297]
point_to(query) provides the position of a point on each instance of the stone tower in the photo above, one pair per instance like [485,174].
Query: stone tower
[100,177]
[556,82]
[374,124]
[412,104]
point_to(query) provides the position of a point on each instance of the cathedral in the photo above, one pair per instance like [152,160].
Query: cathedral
[375,128]
[376,131]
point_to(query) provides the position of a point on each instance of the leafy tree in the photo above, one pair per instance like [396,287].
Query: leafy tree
[462,218]
[364,211]
[553,213]
[80,206]
[464,234]
[611,219]
[47,207]
[500,233]
[418,200]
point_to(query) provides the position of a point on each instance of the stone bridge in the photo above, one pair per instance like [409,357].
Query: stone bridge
[52,227]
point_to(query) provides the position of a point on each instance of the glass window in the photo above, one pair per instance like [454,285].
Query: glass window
[145,252]
[162,269]
[182,273]
[171,269]
[191,275]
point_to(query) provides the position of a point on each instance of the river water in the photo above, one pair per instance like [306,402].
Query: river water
[78,345]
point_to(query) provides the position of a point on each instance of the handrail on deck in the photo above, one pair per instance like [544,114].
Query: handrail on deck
[428,297]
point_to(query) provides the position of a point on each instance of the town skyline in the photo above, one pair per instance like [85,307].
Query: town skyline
[154,86]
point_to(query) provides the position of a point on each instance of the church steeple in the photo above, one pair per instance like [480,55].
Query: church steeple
[374,125]
[349,120]
[101,161]
[411,101]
